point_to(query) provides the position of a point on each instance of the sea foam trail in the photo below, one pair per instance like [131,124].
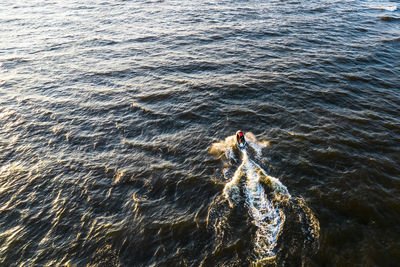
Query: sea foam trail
[265,211]
[266,216]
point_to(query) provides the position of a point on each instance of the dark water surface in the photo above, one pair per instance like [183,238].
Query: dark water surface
[117,123]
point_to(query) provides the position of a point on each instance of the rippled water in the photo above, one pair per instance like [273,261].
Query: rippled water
[116,129]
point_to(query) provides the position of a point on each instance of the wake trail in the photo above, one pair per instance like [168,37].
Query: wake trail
[265,211]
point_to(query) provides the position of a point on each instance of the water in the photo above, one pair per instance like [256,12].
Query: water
[117,120]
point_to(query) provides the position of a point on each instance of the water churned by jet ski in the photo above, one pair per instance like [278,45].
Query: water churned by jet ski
[248,184]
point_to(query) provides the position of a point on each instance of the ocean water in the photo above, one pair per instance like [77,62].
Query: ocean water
[117,124]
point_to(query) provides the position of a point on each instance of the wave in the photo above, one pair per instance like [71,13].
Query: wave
[390,18]
[387,8]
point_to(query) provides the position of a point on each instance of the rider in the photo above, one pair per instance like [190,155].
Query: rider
[240,137]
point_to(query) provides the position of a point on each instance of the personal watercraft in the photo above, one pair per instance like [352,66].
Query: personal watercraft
[240,139]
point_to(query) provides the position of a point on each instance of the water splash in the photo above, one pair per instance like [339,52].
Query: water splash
[264,207]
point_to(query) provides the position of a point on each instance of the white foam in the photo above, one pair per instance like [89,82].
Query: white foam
[266,216]
[276,184]
[231,189]
[258,146]
[387,8]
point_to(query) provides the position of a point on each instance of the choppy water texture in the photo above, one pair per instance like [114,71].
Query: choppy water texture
[117,118]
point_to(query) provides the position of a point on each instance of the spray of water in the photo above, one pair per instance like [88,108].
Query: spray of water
[263,206]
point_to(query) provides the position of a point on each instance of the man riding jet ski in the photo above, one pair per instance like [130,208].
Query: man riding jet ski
[240,139]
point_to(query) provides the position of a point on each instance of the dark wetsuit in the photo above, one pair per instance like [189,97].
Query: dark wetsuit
[240,138]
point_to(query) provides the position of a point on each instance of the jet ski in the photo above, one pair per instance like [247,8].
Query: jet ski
[240,140]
